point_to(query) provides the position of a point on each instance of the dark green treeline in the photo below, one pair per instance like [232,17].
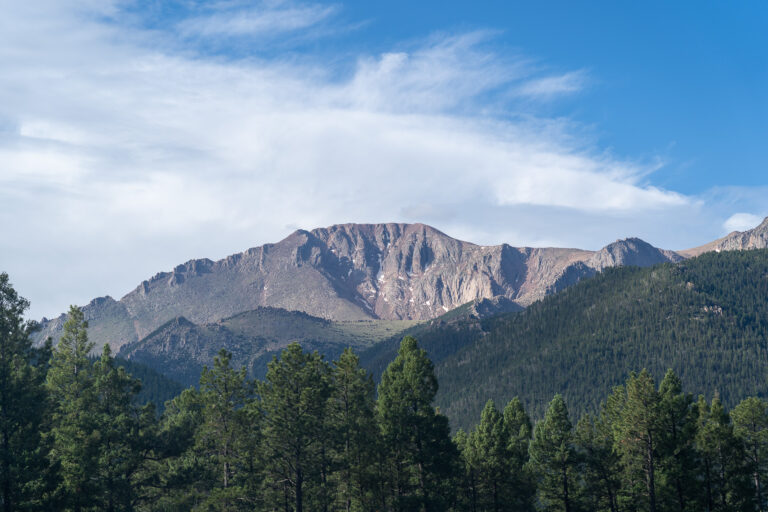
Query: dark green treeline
[317,436]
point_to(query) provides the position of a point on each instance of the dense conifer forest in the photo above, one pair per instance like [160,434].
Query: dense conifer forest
[318,436]
[706,318]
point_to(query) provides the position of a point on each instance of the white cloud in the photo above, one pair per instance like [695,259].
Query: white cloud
[550,86]
[742,222]
[261,21]
[120,157]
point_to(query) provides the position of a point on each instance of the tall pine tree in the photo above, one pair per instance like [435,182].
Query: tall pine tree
[294,402]
[352,423]
[553,458]
[522,487]
[74,432]
[422,459]
[22,406]
[750,421]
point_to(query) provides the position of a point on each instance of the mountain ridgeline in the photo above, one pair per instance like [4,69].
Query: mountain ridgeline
[180,349]
[350,272]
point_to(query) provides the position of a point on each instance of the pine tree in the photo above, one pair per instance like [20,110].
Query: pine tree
[422,459]
[677,429]
[225,440]
[351,420]
[74,434]
[553,458]
[522,487]
[294,405]
[492,444]
[750,420]
[599,463]
[726,475]
[178,474]
[634,413]
[125,434]
[22,406]
[467,495]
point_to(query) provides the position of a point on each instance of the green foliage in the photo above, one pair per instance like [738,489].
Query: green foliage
[74,432]
[421,459]
[293,403]
[750,420]
[553,458]
[22,406]
[156,388]
[356,458]
[706,318]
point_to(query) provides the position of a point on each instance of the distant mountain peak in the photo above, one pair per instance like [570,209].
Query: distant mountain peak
[755,238]
[352,272]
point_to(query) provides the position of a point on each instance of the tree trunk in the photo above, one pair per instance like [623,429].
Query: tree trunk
[7,501]
[299,490]
[566,499]
[758,494]
[650,475]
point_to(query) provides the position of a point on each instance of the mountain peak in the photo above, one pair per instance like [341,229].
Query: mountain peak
[755,238]
[351,271]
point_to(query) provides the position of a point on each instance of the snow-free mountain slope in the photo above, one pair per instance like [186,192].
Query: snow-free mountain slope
[351,272]
[756,238]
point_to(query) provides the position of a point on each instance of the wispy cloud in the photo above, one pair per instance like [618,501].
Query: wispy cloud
[556,85]
[261,21]
[742,222]
[119,158]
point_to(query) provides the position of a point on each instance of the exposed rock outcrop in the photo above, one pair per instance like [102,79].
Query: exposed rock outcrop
[352,272]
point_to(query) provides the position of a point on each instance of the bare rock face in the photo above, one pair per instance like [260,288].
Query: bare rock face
[756,238]
[630,251]
[351,272]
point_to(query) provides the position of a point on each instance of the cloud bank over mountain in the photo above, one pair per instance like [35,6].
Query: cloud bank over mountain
[129,141]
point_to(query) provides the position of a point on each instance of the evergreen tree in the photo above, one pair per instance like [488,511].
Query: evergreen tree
[177,474]
[22,406]
[351,420]
[491,442]
[634,412]
[226,439]
[294,404]
[467,494]
[74,433]
[124,434]
[522,487]
[750,421]
[726,475]
[599,463]
[422,459]
[677,429]
[553,458]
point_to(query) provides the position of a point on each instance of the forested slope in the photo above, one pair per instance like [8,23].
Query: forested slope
[706,318]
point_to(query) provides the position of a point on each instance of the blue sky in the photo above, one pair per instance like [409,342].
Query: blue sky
[135,135]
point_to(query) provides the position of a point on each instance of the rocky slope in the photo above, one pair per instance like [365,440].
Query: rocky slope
[756,238]
[351,272]
[180,348]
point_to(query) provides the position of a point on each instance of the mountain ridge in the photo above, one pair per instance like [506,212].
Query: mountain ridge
[352,272]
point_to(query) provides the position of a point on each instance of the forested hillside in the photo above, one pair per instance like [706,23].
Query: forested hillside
[318,436]
[706,318]
[155,387]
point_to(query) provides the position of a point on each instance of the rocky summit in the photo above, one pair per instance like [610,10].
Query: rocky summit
[756,238]
[351,272]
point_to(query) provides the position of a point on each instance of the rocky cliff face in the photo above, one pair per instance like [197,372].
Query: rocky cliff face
[351,272]
[756,238]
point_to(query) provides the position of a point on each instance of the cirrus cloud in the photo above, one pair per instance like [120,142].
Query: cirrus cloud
[124,152]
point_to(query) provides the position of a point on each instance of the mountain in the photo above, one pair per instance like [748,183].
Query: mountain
[756,238]
[180,348]
[350,272]
[706,318]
